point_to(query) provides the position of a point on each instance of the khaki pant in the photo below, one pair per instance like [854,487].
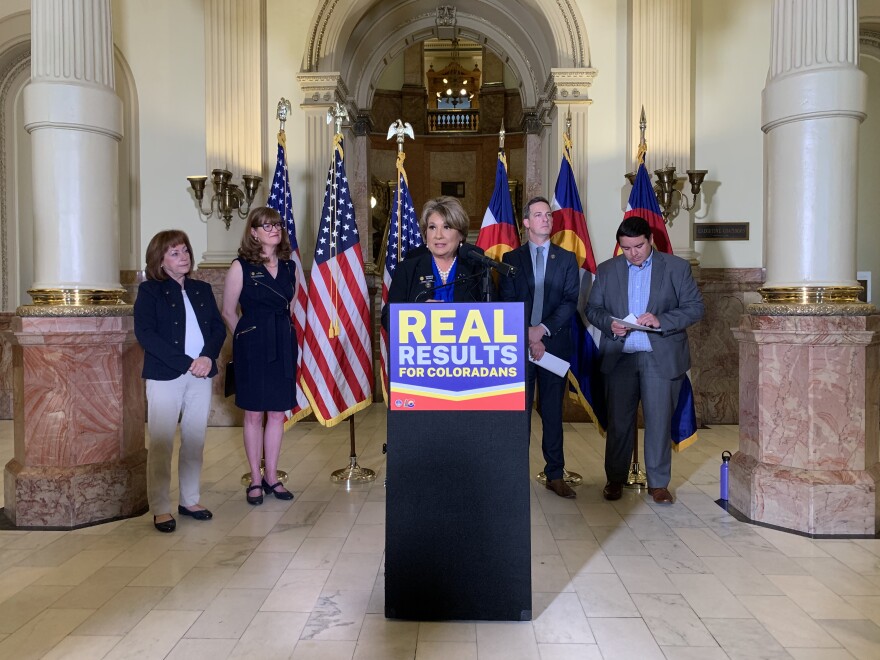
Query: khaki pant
[166,400]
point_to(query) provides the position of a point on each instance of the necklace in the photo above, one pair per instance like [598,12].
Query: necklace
[444,274]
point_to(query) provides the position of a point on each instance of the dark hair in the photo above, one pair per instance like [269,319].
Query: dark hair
[452,212]
[633,227]
[251,250]
[159,245]
[534,200]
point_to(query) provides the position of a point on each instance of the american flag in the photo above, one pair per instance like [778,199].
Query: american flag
[403,236]
[337,357]
[643,203]
[280,199]
[570,231]
[498,233]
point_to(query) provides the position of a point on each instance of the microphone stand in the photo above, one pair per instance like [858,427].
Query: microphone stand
[485,294]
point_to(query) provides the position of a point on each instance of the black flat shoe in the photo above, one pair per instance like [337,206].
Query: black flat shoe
[200,514]
[166,526]
[283,495]
[257,499]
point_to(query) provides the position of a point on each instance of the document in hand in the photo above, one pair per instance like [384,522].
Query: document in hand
[630,322]
[552,363]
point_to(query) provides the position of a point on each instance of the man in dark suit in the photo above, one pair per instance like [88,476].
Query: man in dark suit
[659,291]
[547,282]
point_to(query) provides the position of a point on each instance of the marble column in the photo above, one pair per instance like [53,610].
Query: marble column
[661,80]
[236,114]
[321,91]
[78,396]
[810,353]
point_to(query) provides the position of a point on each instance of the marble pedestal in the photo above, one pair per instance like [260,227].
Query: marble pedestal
[79,418]
[809,419]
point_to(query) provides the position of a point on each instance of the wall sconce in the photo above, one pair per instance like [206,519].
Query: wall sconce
[665,189]
[228,196]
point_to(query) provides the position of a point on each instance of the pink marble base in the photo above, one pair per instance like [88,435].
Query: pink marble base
[810,501]
[79,421]
[809,423]
[74,496]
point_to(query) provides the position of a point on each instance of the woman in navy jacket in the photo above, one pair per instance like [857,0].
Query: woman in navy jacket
[178,324]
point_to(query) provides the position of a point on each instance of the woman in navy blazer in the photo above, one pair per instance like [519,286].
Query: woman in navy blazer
[178,324]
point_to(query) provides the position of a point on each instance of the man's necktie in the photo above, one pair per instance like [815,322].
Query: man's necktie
[538,304]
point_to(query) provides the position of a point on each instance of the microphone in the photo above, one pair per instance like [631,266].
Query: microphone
[423,295]
[471,253]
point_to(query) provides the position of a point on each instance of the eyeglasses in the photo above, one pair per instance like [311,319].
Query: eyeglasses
[271,226]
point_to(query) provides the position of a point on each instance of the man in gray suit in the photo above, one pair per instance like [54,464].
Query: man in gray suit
[659,291]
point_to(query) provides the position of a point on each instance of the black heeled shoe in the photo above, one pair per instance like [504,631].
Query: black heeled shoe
[283,495]
[199,514]
[256,499]
[166,526]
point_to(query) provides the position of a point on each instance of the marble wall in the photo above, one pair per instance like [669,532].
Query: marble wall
[714,351]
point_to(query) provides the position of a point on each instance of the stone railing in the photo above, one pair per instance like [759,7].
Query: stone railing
[453,121]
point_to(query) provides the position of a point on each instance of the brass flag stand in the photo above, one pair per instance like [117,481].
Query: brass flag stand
[636,479]
[353,473]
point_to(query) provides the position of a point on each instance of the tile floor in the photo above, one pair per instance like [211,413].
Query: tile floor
[303,579]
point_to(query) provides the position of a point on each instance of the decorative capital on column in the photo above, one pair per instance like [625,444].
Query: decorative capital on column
[322,88]
[569,85]
[566,87]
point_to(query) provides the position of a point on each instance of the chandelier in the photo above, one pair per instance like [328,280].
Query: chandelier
[458,84]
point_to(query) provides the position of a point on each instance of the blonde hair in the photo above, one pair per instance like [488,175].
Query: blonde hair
[452,212]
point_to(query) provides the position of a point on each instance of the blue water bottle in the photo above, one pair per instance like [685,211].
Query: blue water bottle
[725,468]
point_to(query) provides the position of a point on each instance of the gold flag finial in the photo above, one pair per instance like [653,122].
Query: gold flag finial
[501,136]
[643,145]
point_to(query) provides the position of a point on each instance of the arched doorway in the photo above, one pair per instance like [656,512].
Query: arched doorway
[542,43]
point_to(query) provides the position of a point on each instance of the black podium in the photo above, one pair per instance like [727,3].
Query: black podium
[457,544]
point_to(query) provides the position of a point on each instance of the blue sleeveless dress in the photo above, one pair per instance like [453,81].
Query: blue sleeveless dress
[264,346]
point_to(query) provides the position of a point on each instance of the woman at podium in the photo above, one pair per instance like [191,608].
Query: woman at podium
[435,272]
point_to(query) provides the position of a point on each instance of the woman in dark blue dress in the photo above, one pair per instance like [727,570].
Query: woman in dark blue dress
[261,283]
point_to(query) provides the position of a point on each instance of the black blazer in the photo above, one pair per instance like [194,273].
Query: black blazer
[414,278]
[561,289]
[160,326]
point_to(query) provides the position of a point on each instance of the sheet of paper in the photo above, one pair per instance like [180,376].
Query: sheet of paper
[552,363]
[630,322]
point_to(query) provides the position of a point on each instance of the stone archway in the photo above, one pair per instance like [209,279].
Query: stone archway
[544,42]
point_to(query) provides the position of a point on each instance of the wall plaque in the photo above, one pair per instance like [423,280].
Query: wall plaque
[721,231]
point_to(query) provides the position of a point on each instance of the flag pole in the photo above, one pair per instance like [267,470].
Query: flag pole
[637,479]
[352,473]
[281,114]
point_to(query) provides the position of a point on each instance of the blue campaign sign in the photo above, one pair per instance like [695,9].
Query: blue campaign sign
[457,356]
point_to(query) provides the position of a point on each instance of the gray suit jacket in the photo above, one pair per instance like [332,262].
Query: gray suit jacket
[674,299]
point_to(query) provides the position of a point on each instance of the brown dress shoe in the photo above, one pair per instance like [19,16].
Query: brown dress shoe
[661,495]
[613,491]
[561,488]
